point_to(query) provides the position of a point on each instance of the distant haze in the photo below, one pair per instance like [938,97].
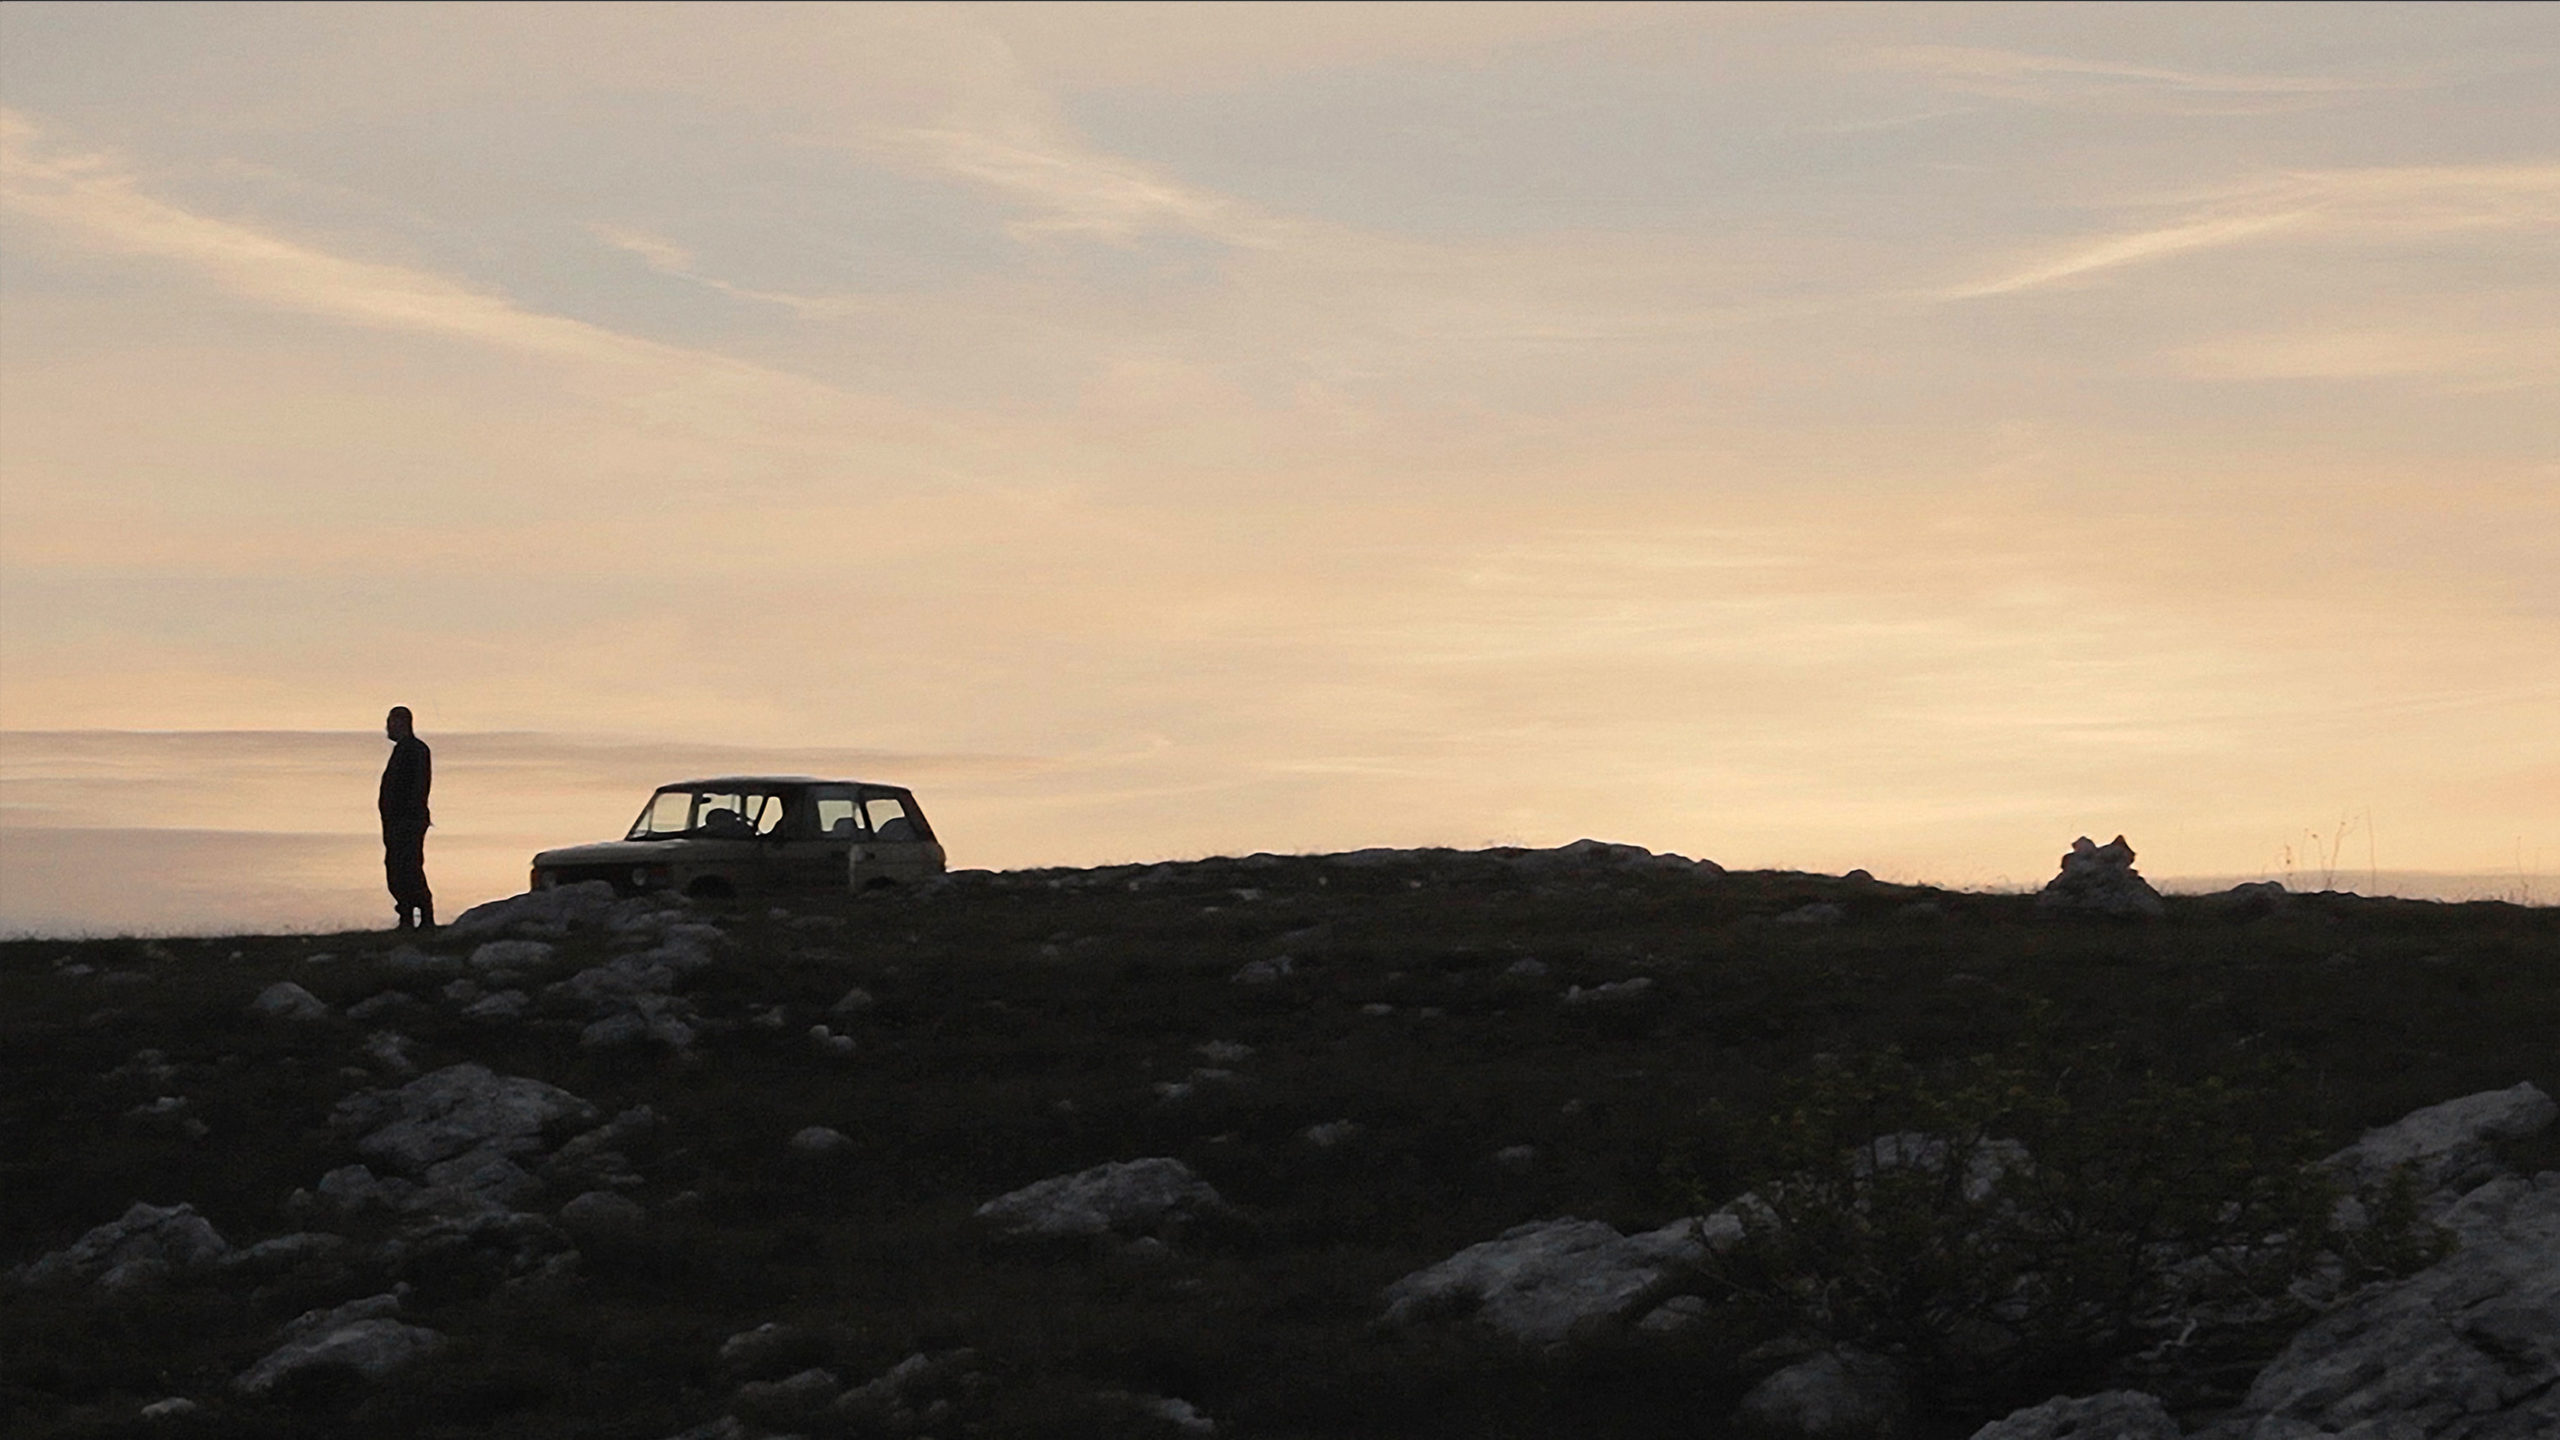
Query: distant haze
[1808,437]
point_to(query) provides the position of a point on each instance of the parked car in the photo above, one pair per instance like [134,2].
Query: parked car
[742,835]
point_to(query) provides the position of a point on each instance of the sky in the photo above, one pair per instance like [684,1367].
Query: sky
[1802,436]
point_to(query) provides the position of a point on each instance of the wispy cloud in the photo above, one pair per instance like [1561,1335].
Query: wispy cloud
[94,197]
[669,258]
[2052,79]
[1072,189]
[2128,249]
[2370,203]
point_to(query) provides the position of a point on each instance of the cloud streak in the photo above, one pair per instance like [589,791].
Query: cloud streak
[93,197]
[2053,79]
[2367,204]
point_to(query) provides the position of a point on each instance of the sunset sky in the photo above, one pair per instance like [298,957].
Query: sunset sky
[1812,437]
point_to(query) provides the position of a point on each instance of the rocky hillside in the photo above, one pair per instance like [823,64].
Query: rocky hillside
[1390,1143]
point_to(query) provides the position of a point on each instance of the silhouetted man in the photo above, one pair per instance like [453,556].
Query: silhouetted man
[405,821]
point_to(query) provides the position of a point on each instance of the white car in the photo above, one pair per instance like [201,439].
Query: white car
[743,835]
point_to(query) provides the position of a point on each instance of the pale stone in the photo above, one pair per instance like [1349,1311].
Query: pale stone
[146,1242]
[1837,1395]
[1120,1196]
[285,1000]
[2110,1415]
[820,1141]
[1541,1282]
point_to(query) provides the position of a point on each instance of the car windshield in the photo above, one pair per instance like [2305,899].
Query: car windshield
[708,814]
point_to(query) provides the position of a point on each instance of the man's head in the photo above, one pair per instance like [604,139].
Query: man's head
[397,723]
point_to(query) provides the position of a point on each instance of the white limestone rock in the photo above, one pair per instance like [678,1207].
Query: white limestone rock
[285,1000]
[1836,1395]
[789,1402]
[2446,1145]
[2109,1415]
[359,1336]
[547,913]
[1120,1197]
[2100,880]
[145,1244]
[1541,1282]
[518,955]
[1612,993]
[603,1215]
[459,1109]
[504,1005]
[819,1142]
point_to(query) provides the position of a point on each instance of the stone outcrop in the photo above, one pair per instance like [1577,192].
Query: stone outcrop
[551,914]
[1542,1282]
[1836,1395]
[449,1124]
[360,1336]
[1124,1197]
[2111,1415]
[2100,880]
[2446,1147]
[146,1244]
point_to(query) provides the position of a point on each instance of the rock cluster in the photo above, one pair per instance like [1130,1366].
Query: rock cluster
[148,1243]
[360,1336]
[1543,1282]
[1121,1198]
[2100,880]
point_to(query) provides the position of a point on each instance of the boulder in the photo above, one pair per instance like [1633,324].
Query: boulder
[821,1141]
[2447,1145]
[285,1000]
[359,1336]
[788,1403]
[771,1348]
[511,955]
[543,912]
[1120,1197]
[1612,992]
[2100,880]
[2110,1415]
[1541,1282]
[504,1005]
[455,1111]
[284,1252]
[603,1215]
[1836,1395]
[145,1244]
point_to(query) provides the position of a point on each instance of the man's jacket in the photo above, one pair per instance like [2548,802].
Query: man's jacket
[404,787]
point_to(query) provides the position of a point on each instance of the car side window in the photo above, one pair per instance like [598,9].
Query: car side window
[889,820]
[838,817]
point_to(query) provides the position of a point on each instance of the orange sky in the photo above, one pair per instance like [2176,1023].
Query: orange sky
[1901,437]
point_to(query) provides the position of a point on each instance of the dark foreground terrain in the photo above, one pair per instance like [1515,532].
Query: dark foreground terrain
[1030,1025]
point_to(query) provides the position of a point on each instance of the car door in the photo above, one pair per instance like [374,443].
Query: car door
[897,846]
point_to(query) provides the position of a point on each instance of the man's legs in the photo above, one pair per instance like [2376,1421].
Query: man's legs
[404,866]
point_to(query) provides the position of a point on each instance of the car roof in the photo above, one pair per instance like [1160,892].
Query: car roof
[749,782]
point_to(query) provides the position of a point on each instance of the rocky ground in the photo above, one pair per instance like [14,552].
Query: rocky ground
[1391,1143]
